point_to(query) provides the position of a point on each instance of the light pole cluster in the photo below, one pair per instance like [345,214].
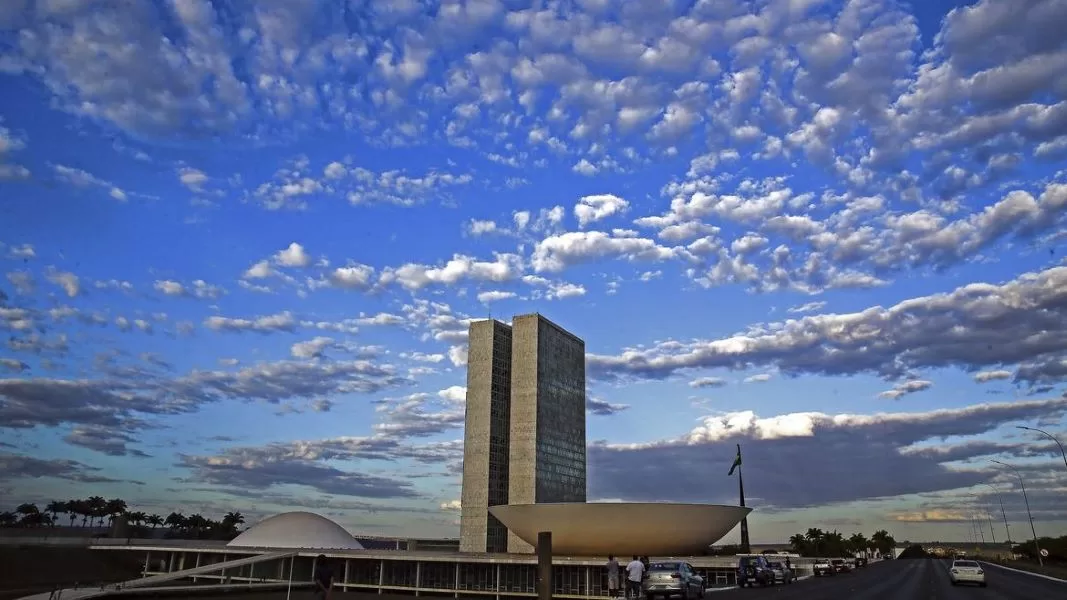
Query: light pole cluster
[1022,485]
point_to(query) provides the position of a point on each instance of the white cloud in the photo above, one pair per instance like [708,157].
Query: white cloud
[591,209]
[293,256]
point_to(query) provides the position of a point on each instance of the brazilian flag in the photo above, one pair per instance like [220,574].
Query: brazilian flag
[737,461]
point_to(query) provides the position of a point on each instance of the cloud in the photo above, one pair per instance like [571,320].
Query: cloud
[905,388]
[313,348]
[876,444]
[248,469]
[198,289]
[591,209]
[293,256]
[951,329]
[129,397]
[986,376]
[70,282]
[283,321]
[603,408]
[106,440]
[707,382]
[17,466]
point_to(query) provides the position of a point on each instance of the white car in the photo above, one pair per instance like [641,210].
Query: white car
[966,571]
[822,567]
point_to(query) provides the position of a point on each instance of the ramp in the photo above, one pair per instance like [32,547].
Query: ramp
[147,582]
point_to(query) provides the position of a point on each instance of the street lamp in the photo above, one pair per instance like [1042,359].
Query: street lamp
[1037,545]
[1003,514]
[989,518]
[1049,436]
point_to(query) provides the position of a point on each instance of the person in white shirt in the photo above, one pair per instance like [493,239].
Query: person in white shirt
[635,572]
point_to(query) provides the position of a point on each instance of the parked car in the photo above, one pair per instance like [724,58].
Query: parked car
[673,578]
[782,573]
[840,566]
[966,571]
[754,570]
[822,567]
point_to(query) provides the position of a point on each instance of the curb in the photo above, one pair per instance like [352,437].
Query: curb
[1030,573]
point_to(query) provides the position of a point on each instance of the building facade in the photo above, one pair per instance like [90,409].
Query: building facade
[547,453]
[524,437]
[486,437]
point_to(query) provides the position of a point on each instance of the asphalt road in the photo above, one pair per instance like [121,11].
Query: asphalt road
[920,579]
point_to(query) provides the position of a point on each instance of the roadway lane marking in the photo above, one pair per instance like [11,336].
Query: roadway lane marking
[1030,573]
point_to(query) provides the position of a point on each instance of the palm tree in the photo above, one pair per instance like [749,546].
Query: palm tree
[136,517]
[814,536]
[8,518]
[74,509]
[232,520]
[799,543]
[96,506]
[27,509]
[54,508]
[114,508]
[858,543]
[175,521]
[883,542]
[154,520]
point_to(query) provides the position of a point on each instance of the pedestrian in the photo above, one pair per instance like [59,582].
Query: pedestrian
[635,572]
[613,577]
[323,578]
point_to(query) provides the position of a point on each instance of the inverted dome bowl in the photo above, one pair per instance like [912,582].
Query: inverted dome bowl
[622,528]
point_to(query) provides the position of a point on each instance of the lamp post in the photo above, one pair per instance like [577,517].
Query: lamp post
[1049,436]
[1003,514]
[1026,500]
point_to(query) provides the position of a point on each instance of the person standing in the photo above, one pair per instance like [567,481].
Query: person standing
[635,572]
[613,577]
[323,578]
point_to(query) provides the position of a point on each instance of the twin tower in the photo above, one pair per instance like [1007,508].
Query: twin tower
[524,435]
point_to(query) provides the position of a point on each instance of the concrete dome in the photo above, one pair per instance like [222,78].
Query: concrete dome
[296,529]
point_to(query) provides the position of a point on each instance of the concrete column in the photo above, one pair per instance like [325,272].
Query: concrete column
[544,565]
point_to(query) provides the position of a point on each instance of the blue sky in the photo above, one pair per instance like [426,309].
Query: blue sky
[242,244]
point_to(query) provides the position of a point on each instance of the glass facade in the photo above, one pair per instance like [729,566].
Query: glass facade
[561,460]
[499,435]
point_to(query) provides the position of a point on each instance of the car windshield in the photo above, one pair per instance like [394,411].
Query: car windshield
[970,564]
[837,561]
[663,567]
[775,565]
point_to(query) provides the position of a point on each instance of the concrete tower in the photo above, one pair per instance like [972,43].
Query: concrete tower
[485,437]
[524,438]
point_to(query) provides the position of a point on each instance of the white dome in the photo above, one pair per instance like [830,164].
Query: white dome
[296,529]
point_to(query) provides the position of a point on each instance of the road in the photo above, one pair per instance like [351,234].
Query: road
[919,579]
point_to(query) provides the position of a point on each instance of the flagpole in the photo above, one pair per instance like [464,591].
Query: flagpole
[745,546]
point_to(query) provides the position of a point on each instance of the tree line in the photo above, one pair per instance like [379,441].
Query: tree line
[817,542]
[96,510]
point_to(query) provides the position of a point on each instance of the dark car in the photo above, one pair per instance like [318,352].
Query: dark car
[840,566]
[673,578]
[754,570]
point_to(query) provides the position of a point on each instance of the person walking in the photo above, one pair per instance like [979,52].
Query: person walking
[635,572]
[613,577]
